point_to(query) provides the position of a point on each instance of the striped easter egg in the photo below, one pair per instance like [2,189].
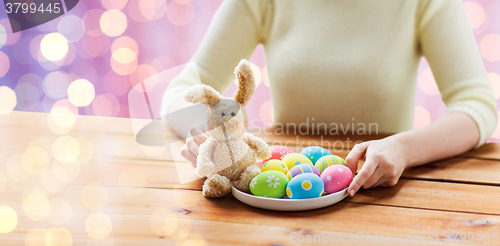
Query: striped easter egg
[328,160]
[301,168]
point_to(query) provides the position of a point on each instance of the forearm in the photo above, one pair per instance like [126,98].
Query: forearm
[451,135]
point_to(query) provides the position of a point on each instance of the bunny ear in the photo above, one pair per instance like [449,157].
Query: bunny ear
[246,82]
[202,94]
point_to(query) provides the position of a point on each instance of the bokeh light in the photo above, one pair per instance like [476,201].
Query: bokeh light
[124,61]
[12,38]
[475,13]
[66,172]
[58,237]
[66,149]
[124,55]
[81,92]
[98,225]
[427,83]
[106,105]
[4,60]
[35,237]
[490,47]
[36,206]
[35,160]
[62,117]
[191,239]
[163,222]
[256,73]
[25,88]
[15,170]
[94,196]
[422,117]
[113,23]
[95,46]
[495,84]
[496,134]
[61,211]
[140,74]
[144,10]
[114,4]
[91,20]
[55,84]
[86,150]
[72,27]
[54,46]
[8,99]
[180,14]
[125,42]
[8,219]
[50,183]
[3,36]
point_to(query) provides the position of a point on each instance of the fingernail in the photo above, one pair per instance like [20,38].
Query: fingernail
[351,192]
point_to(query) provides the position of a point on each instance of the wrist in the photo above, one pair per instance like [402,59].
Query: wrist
[404,142]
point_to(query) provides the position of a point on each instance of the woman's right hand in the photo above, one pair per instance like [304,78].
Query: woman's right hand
[196,137]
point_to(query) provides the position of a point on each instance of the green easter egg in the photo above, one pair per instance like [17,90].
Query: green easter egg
[270,183]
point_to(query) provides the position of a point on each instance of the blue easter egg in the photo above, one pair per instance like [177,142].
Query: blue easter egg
[305,185]
[314,153]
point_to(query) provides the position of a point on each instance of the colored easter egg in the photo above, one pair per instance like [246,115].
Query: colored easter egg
[306,185]
[328,160]
[278,152]
[270,183]
[301,168]
[293,159]
[275,165]
[336,178]
[314,153]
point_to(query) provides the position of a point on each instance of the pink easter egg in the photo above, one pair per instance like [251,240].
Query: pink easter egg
[336,178]
[278,152]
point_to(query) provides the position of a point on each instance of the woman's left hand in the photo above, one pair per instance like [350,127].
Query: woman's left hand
[385,161]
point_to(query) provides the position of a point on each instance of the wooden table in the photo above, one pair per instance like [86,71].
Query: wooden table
[86,181]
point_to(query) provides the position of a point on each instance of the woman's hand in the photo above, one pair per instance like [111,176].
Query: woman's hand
[385,161]
[196,137]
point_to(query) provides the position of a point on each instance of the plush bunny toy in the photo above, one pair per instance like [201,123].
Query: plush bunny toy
[229,153]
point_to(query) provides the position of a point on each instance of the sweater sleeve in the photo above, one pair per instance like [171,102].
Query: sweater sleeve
[447,42]
[234,33]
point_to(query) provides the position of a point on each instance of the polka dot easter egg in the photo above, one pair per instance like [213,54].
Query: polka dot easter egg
[336,178]
[306,185]
[275,165]
[300,169]
[294,159]
[278,152]
[315,152]
[269,184]
[328,160]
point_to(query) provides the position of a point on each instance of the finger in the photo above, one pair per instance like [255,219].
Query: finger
[364,174]
[198,135]
[375,179]
[193,146]
[188,155]
[381,182]
[357,153]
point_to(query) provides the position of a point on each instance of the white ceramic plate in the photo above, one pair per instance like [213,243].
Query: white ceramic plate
[285,204]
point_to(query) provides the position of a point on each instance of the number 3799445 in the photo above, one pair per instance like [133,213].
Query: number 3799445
[32,8]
